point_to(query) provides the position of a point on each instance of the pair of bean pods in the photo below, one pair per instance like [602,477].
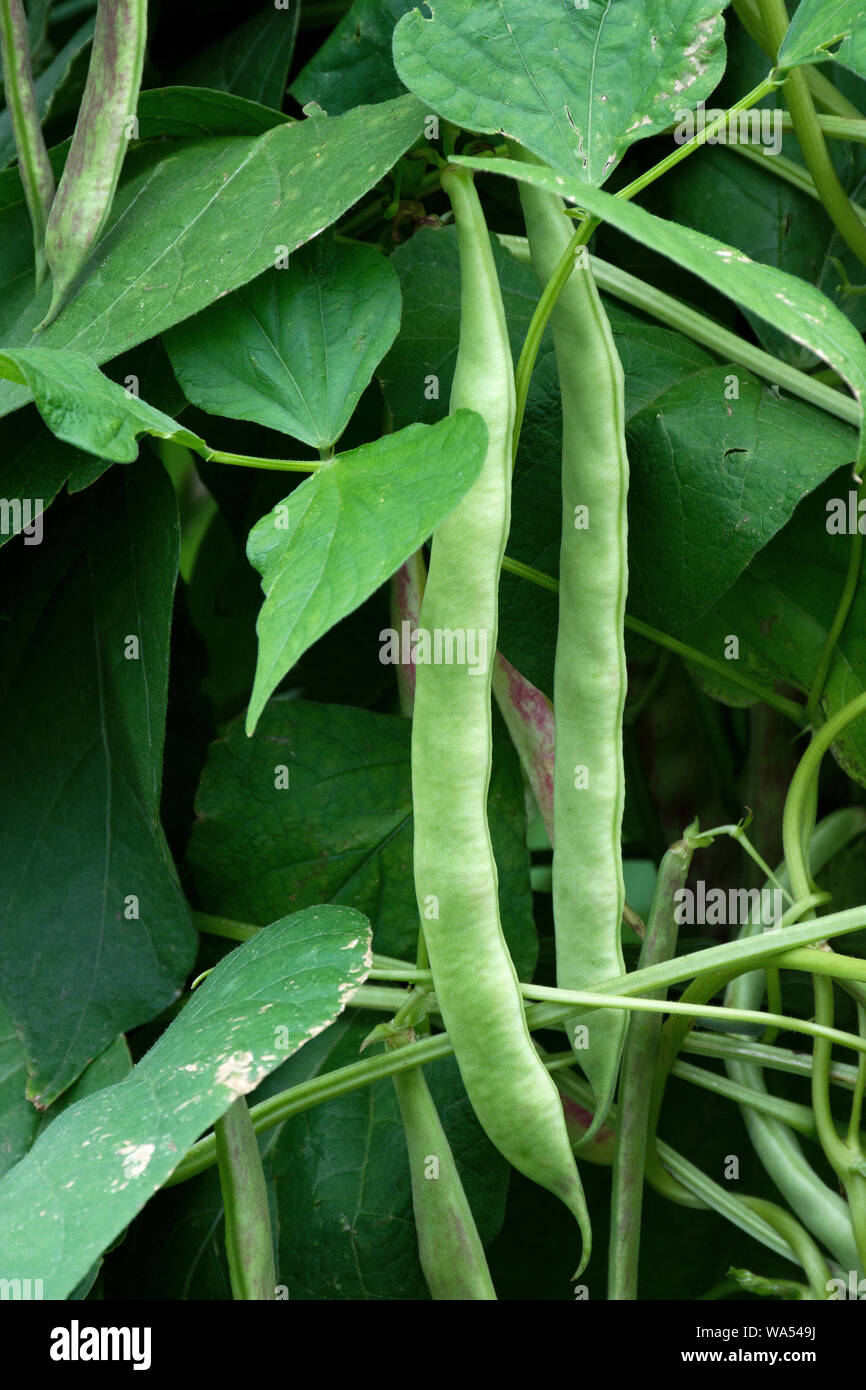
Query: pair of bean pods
[476,986]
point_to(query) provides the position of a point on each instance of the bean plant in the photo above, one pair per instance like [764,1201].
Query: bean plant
[434,650]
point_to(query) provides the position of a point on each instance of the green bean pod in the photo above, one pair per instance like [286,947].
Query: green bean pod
[249,1243]
[635,1092]
[449,1246]
[456,883]
[86,190]
[589,672]
[33,164]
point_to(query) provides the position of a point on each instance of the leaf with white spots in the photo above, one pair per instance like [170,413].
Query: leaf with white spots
[257,1007]
[785,301]
[575,83]
[330,544]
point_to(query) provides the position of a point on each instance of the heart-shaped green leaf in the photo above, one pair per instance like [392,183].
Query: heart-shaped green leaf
[294,349]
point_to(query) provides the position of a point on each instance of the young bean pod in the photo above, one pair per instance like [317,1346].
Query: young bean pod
[589,673]
[33,164]
[249,1243]
[455,871]
[449,1246]
[86,190]
[635,1092]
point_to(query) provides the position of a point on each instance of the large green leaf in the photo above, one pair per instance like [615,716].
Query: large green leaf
[295,349]
[317,807]
[354,64]
[818,25]
[346,529]
[781,610]
[95,935]
[193,223]
[102,1160]
[576,84]
[713,480]
[792,306]
[252,60]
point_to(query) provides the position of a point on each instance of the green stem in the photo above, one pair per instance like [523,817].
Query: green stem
[749,954]
[767,85]
[836,127]
[787,707]
[773,1057]
[224,926]
[589,999]
[372,213]
[860,1086]
[539,321]
[249,461]
[249,1244]
[807,1252]
[690,1186]
[849,590]
[801,105]
[836,1150]
[796,844]
[319,1089]
[797,1117]
[732,958]
[845,1156]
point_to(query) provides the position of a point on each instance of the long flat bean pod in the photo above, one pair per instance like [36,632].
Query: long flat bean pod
[35,169]
[86,190]
[455,872]
[589,673]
